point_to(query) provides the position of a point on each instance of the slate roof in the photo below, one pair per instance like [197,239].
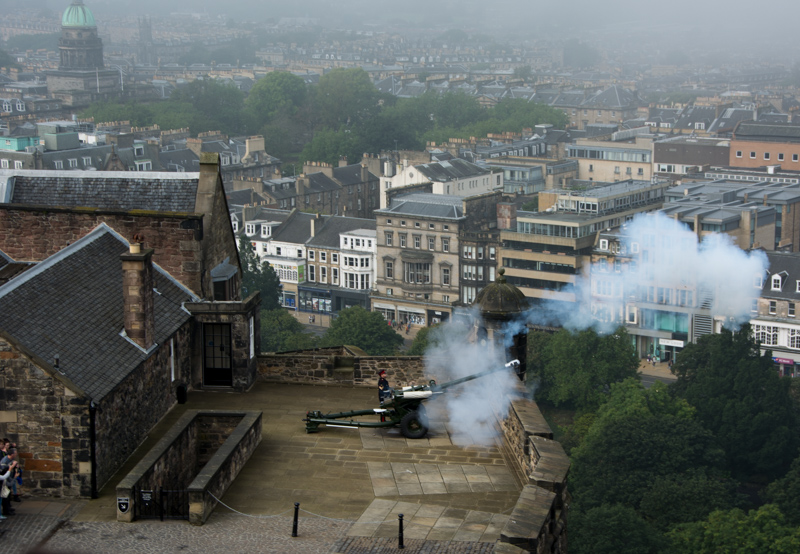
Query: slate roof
[350,174]
[780,262]
[297,228]
[613,97]
[179,160]
[112,190]
[450,170]
[335,226]
[71,305]
[767,131]
[244,196]
[426,205]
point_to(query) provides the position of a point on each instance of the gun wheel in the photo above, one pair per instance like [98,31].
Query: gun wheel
[414,425]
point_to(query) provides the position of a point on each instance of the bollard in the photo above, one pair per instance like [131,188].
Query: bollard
[294,524]
[400,543]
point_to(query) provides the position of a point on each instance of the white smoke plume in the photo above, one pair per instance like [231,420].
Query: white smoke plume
[671,267]
[468,409]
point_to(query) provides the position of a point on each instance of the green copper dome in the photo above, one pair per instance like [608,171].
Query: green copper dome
[77,15]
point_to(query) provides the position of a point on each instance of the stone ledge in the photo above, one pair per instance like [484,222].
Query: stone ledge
[529,518]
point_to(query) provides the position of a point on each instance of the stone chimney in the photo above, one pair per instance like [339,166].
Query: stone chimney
[195,145]
[314,222]
[342,161]
[137,293]
[253,146]
[364,173]
[300,184]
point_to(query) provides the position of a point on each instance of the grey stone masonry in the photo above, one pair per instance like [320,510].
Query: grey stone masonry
[137,292]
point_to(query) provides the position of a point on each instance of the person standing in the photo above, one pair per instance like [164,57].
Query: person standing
[8,467]
[5,476]
[384,391]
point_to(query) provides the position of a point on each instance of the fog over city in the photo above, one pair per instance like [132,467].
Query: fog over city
[619,25]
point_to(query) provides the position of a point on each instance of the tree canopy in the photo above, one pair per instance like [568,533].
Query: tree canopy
[280,332]
[735,532]
[741,399]
[258,275]
[612,529]
[576,368]
[277,93]
[368,331]
[785,493]
[645,450]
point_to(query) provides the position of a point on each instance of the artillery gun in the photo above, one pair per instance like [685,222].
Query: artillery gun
[404,408]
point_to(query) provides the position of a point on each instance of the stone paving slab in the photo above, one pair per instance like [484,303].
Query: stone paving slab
[429,522]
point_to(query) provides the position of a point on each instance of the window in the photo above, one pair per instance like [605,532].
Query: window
[312,273]
[780,156]
[402,241]
[323,274]
[419,273]
[752,155]
[794,157]
[416,224]
[335,258]
[446,246]
[431,243]
[311,255]
[492,253]
[766,334]
[446,276]
[59,164]
[73,163]
[794,338]
[87,161]
[389,271]
[299,253]
[738,153]
[138,150]
[758,282]
[417,241]
[250,229]
[776,282]
[4,164]
[323,257]
[277,250]
[447,227]
[402,223]
[145,165]
[773,307]
[791,309]
[445,298]
[430,225]
[766,155]
[17,164]
[335,276]
[603,244]
[388,222]
[389,238]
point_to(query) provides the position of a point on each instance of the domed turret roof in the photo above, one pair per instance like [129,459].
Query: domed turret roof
[499,300]
[77,15]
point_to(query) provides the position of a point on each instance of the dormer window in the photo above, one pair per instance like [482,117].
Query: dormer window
[138,150]
[6,106]
[20,106]
[250,229]
[776,282]
[758,282]
[266,231]
[603,244]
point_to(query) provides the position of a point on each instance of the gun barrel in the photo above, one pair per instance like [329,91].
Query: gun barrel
[511,364]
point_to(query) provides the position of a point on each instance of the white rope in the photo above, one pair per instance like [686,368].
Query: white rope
[247,515]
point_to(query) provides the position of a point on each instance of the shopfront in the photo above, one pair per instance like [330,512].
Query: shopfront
[314,301]
[437,316]
[786,367]
[388,311]
[414,316]
[669,348]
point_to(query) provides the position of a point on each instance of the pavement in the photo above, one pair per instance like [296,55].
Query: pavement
[351,484]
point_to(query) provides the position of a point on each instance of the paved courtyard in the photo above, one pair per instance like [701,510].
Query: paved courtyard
[351,485]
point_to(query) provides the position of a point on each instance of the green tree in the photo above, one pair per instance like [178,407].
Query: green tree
[644,450]
[531,205]
[280,332]
[523,72]
[741,399]
[217,106]
[421,342]
[279,92]
[577,368]
[258,275]
[346,97]
[735,532]
[785,493]
[329,146]
[6,60]
[613,529]
[367,330]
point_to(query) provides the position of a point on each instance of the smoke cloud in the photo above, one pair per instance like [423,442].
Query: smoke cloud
[669,266]
[468,409]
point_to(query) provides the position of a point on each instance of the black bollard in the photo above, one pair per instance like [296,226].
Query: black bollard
[400,543]
[294,524]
